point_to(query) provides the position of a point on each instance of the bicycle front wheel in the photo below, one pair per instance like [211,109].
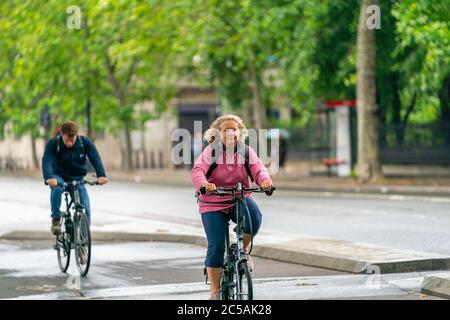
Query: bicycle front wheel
[245,284]
[62,246]
[82,243]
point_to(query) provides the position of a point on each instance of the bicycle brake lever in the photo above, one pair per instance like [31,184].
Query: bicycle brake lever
[269,193]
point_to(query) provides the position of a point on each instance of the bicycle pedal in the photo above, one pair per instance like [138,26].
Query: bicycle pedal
[205,273]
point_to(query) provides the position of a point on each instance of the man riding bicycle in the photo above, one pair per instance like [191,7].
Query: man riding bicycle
[65,159]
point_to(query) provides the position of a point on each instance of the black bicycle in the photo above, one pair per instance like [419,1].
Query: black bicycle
[236,280]
[75,232]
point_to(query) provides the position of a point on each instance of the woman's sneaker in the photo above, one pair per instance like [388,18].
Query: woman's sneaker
[214,296]
[56,226]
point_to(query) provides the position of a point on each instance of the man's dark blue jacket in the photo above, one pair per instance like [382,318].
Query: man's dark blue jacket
[70,163]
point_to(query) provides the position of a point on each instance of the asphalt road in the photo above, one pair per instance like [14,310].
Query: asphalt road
[415,223]
[146,270]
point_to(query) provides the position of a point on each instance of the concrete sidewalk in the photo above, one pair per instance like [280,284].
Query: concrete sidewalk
[437,285]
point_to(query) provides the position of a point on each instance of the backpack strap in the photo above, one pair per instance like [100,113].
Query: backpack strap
[247,161]
[83,144]
[57,144]
[213,165]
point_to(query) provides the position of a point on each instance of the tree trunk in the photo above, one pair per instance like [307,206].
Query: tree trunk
[246,112]
[88,117]
[444,99]
[396,107]
[34,153]
[259,111]
[368,166]
[128,150]
[119,94]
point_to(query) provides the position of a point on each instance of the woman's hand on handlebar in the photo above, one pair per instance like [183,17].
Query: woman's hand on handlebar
[209,187]
[266,185]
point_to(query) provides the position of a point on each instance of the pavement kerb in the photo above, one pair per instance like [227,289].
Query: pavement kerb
[112,236]
[278,252]
[437,285]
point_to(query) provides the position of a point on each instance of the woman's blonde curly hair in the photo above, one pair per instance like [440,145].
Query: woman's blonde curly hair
[214,129]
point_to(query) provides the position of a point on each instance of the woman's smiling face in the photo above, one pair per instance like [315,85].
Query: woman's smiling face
[229,132]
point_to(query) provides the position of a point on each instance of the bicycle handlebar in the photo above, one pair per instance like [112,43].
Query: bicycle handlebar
[221,191]
[76,183]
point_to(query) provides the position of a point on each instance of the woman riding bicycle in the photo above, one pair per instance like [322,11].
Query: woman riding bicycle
[235,162]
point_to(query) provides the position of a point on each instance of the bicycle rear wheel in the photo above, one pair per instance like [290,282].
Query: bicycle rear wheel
[245,284]
[82,243]
[62,246]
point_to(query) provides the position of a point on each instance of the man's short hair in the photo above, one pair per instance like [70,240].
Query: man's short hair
[69,128]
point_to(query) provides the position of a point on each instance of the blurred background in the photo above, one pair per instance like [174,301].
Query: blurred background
[130,72]
[358,89]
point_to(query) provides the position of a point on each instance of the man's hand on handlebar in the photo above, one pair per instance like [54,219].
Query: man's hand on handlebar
[52,182]
[102,180]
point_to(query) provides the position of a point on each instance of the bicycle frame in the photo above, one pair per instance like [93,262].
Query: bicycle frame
[75,204]
[75,195]
[72,202]
[238,251]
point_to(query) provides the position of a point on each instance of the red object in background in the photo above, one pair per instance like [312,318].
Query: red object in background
[340,103]
[57,131]
[332,162]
